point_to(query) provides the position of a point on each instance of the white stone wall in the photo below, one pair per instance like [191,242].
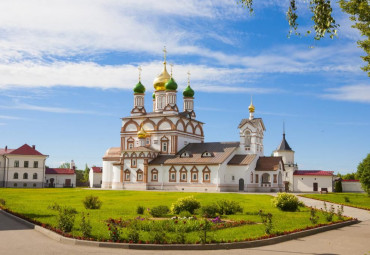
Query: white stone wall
[107,174]
[60,179]
[95,179]
[304,183]
[352,187]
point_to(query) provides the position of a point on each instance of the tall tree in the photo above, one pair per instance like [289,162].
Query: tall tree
[65,165]
[363,171]
[324,23]
[86,173]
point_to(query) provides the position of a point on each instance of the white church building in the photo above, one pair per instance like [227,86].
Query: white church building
[165,150]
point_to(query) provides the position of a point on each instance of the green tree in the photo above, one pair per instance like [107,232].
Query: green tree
[65,165]
[350,176]
[338,186]
[324,23]
[363,171]
[86,173]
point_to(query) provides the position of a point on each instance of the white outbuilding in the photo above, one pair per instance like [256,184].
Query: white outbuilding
[95,177]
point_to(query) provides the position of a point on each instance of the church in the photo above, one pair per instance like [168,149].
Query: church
[165,150]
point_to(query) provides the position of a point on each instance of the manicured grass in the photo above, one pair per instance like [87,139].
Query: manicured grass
[360,200]
[33,203]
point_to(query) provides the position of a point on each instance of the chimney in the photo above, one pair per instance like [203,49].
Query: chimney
[73,166]
[34,147]
[6,147]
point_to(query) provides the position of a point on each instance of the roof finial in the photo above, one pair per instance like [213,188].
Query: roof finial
[188,78]
[139,68]
[284,127]
[171,69]
[165,54]
[251,107]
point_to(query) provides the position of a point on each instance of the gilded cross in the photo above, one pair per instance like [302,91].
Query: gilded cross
[188,77]
[165,53]
[139,68]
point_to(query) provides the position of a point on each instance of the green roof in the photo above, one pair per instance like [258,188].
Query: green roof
[188,92]
[139,88]
[171,85]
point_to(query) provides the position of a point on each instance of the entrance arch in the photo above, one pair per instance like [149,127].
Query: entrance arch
[241,184]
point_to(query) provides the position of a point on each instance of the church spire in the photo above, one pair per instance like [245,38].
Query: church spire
[284,146]
[251,109]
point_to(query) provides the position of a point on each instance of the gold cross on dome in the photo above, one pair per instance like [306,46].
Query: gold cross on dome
[188,77]
[165,53]
[139,68]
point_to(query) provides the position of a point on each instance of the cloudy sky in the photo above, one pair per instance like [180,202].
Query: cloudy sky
[67,69]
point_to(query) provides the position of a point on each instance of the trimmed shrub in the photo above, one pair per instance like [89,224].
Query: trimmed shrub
[65,218]
[140,209]
[228,207]
[92,202]
[286,202]
[210,211]
[185,214]
[338,186]
[2,202]
[189,204]
[159,211]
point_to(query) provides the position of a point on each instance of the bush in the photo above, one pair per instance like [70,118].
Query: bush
[92,202]
[140,209]
[114,232]
[313,217]
[189,204]
[65,217]
[185,214]
[338,186]
[346,199]
[329,213]
[210,211]
[85,225]
[159,211]
[267,221]
[286,202]
[2,202]
[228,207]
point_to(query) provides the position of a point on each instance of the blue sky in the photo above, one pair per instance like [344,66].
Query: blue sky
[67,69]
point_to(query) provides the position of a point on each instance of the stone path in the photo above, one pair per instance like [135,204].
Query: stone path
[15,238]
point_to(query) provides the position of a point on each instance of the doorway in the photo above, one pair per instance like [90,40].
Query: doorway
[68,183]
[241,184]
[315,186]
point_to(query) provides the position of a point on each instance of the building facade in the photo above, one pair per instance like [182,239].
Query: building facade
[95,177]
[23,167]
[165,149]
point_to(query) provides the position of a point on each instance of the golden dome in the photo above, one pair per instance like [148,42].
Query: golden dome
[162,79]
[251,107]
[141,133]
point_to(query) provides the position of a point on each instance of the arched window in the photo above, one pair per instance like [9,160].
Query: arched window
[183,174]
[130,143]
[206,175]
[194,174]
[186,154]
[207,154]
[154,175]
[164,144]
[265,178]
[127,175]
[35,176]
[172,174]
[248,139]
[15,176]
[25,176]
[139,175]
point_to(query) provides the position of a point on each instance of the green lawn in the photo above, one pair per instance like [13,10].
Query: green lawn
[361,200]
[34,202]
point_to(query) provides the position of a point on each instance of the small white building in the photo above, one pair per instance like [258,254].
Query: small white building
[351,186]
[23,167]
[312,180]
[95,177]
[60,177]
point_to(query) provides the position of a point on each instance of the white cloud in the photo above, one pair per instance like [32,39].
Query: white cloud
[355,93]
[9,117]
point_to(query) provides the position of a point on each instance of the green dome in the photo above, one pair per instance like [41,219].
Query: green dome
[171,85]
[139,88]
[188,92]
[153,95]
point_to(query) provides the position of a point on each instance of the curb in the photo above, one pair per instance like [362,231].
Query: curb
[212,246]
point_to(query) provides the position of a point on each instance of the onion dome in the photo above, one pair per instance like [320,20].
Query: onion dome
[162,79]
[139,88]
[171,85]
[141,133]
[153,96]
[188,92]
[251,107]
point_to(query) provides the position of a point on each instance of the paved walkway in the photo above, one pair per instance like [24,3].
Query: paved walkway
[15,238]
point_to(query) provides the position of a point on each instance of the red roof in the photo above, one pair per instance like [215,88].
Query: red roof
[313,172]
[350,180]
[23,150]
[97,169]
[59,171]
